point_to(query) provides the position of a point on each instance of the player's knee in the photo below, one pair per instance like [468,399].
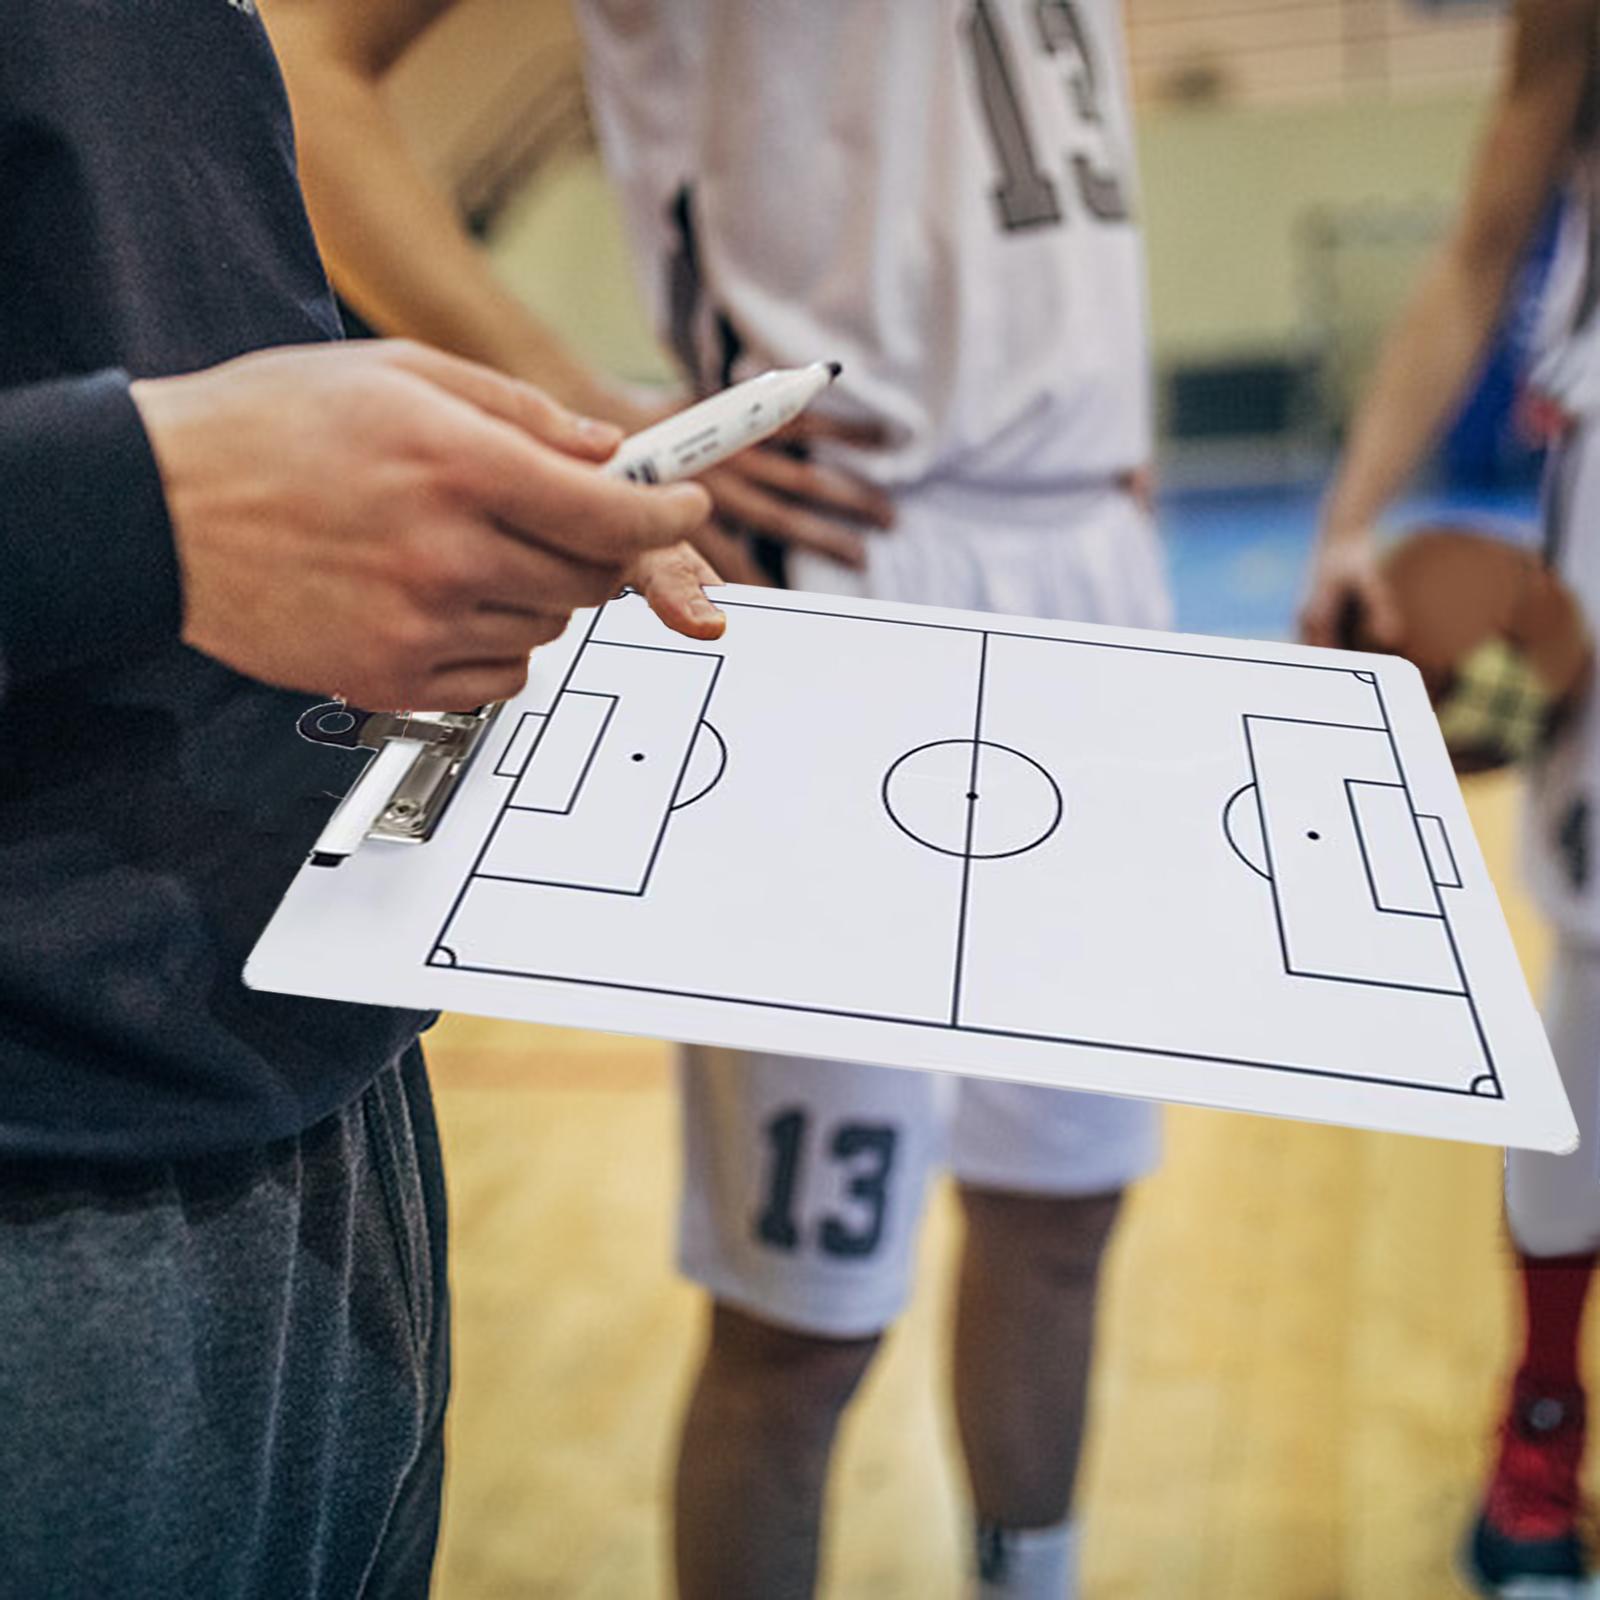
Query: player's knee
[787,1375]
[1539,1230]
[1059,1238]
[1552,1202]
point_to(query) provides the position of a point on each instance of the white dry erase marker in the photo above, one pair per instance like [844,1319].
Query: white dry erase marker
[683,444]
[690,441]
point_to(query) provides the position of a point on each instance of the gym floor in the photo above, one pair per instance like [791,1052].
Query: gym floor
[1302,1337]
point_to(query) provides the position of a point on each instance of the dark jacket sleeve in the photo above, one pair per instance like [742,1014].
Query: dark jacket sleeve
[88,572]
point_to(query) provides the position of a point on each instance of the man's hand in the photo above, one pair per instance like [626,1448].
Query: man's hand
[1346,576]
[673,583]
[389,523]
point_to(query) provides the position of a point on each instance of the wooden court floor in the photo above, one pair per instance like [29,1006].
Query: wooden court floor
[1301,1342]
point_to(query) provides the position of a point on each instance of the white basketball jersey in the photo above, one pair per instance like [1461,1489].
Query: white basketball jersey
[937,193]
[1566,354]
[1559,837]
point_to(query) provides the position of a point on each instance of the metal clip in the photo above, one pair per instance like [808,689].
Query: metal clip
[451,739]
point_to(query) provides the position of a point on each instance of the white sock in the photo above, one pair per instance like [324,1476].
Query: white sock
[1026,1563]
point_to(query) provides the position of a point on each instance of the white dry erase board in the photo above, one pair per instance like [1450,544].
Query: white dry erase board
[1188,869]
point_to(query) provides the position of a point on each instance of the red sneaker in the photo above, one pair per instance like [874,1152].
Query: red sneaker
[1526,1541]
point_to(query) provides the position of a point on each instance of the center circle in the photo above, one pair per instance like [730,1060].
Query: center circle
[974,799]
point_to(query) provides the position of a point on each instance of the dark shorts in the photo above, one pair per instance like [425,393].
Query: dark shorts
[227,1378]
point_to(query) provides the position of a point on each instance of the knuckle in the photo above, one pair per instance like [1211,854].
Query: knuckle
[661,561]
[505,685]
[818,482]
[422,571]
[398,351]
[444,479]
[795,477]
[455,574]
[372,395]
[394,378]
[412,635]
[404,437]
[538,406]
[800,529]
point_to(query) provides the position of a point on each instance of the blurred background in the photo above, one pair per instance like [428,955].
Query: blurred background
[1305,1329]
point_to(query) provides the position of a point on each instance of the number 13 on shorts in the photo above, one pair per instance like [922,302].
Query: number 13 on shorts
[804,1184]
[865,1153]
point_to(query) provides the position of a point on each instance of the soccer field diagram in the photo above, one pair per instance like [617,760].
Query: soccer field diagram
[1138,863]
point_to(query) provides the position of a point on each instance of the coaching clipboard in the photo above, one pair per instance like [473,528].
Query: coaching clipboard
[1180,868]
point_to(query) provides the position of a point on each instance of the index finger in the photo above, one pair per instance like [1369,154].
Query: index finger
[543,497]
[522,405]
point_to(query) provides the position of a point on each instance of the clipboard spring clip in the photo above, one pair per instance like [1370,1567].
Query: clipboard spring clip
[448,739]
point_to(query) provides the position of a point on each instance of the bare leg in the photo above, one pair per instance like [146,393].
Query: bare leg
[753,1458]
[1024,1332]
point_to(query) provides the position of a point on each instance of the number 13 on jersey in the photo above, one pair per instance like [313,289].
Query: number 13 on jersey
[1026,195]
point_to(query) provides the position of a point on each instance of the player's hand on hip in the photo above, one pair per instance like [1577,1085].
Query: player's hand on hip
[774,490]
[1143,488]
[800,503]
[389,523]
[1348,590]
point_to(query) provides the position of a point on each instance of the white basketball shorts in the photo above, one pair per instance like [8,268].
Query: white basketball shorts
[804,1180]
